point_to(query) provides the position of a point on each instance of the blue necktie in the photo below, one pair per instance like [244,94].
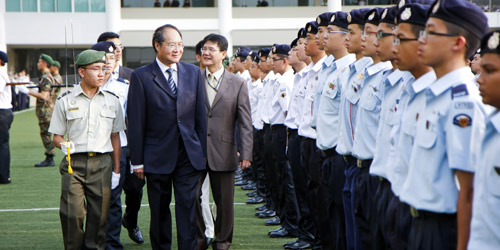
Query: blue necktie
[171,82]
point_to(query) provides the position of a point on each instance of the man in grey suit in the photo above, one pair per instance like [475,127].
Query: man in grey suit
[227,106]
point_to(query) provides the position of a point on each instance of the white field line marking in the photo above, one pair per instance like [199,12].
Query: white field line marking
[55,209]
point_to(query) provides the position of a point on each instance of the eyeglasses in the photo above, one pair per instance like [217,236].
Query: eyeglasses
[336,31]
[311,38]
[119,46]
[368,33]
[209,50]
[424,34]
[381,34]
[173,46]
[97,69]
[397,40]
[277,59]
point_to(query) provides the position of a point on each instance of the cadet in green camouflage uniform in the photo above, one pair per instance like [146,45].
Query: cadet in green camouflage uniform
[44,108]
[58,80]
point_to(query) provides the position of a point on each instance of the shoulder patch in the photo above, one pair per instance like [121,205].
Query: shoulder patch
[459,91]
[113,94]
[462,120]
[123,80]
[63,94]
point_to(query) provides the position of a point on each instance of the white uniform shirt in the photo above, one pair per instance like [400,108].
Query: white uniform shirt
[281,98]
[254,94]
[297,98]
[267,91]
[119,87]
[5,91]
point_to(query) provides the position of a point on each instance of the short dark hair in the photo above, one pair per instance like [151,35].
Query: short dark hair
[107,35]
[415,29]
[158,35]
[472,41]
[199,46]
[220,40]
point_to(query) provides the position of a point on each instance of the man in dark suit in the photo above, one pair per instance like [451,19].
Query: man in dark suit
[167,137]
[227,106]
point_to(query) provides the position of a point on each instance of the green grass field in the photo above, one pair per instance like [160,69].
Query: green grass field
[29,214]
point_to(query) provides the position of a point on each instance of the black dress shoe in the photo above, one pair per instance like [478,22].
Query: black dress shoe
[276,230]
[261,208]
[268,214]
[299,244]
[249,186]
[7,181]
[280,234]
[273,222]
[241,183]
[252,194]
[255,200]
[136,235]
[261,212]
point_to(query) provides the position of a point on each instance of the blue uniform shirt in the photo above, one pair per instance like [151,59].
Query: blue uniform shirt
[369,111]
[119,87]
[350,87]
[394,85]
[411,106]
[485,224]
[447,134]
[327,123]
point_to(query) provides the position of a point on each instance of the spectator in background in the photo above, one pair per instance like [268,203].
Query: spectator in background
[187,4]
[262,3]
[166,3]
[175,3]
[157,4]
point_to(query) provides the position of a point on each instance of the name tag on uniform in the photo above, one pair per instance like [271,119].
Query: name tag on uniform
[73,109]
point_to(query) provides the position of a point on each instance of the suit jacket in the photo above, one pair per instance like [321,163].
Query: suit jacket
[157,120]
[231,104]
[125,73]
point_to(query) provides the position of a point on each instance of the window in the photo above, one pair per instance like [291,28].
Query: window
[47,6]
[63,5]
[13,6]
[98,5]
[81,5]
[30,6]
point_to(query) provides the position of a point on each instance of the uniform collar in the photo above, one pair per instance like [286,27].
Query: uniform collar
[360,64]
[423,82]
[494,119]
[328,61]
[164,67]
[375,68]
[316,67]
[449,80]
[344,61]
[287,74]
[305,70]
[256,82]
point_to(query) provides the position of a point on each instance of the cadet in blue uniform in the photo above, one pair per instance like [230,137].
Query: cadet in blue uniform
[349,83]
[439,182]
[411,20]
[485,225]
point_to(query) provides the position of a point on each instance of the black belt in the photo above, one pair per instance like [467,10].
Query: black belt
[349,159]
[293,131]
[426,214]
[276,126]
[89,154]
[329,152]
[364,163]
[267,126]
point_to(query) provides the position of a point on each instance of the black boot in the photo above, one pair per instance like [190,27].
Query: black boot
[48,162]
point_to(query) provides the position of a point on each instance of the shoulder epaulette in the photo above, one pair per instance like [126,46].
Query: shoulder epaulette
[122,80]
[459,91]
[63,94]
[112,93]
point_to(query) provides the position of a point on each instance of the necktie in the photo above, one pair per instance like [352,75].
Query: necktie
[211,81]
[171,82]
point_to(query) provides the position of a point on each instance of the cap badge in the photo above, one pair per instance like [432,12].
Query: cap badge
[406,14]
[401,3]
[436,6]
[332,19]
[371,16]
[274,49]
[384,14]
[349,18]
[318,20]
[494,40]
[110,49]
[260,54]
[309,29]
[104,58]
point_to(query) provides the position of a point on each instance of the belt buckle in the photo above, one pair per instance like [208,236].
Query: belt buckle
[345,159]
[414,212]
[323,153]
[91,154]
[360,163]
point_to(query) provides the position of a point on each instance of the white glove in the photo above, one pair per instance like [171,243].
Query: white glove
[64,149]
[22,89]
[115,180]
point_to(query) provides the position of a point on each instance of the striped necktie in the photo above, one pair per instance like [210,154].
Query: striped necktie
[171,82]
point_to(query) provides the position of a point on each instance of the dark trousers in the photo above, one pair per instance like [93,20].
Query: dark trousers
[269,166]
[379,223]
[366,185]
[349,197]
[311,159]
[305,224]
[287,207]
[433,231]
[222,186]
[399,221]
[184,180]
[258,162]
[331,205]
[6,118]
[133,195]
[115,207]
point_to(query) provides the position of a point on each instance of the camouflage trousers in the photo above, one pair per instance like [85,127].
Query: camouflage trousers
[48,144]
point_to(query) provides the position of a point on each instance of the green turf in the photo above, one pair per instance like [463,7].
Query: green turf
[40,188]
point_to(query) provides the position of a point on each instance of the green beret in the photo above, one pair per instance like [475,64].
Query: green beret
[56,63]
[47,58]
[90,56]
